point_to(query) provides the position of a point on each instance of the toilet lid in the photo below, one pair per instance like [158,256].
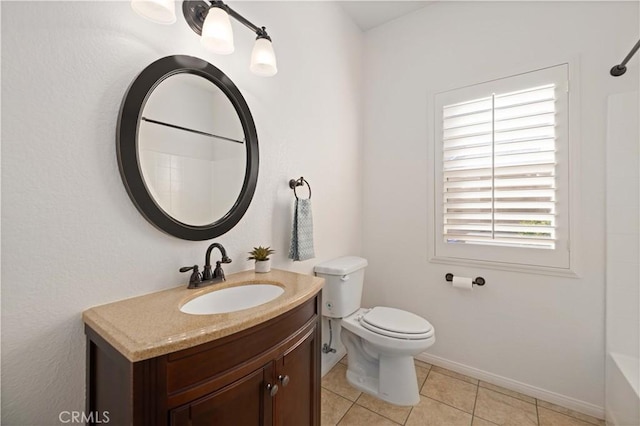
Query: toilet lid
[396,323]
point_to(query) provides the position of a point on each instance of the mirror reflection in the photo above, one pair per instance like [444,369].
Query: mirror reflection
[191,149]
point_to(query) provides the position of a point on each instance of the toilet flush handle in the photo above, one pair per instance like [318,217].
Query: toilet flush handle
[345,278]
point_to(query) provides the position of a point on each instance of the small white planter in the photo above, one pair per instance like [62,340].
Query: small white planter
[263,266]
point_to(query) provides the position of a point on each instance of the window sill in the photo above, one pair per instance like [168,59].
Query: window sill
[501,266]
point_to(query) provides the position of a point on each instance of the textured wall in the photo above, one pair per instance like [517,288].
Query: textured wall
[71,236]
[543,331]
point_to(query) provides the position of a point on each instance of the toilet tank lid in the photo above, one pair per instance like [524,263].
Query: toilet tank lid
[341,265]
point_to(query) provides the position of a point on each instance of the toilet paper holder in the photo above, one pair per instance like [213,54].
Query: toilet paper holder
[478,281]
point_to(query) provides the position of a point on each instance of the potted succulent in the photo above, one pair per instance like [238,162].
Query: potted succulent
[261,256]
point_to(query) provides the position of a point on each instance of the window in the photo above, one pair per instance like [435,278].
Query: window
[502,170]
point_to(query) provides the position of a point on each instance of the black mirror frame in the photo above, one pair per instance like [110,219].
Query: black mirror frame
[127,146]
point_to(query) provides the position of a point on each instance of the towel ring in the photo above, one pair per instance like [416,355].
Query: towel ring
[293,183]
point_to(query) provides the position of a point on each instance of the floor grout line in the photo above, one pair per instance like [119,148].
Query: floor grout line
[536,402]
[448,405]
[504,393]
[408,415]
[345,413]
[445,403]
[567,414]
[458,378]
[475,402]
[378,414]
[488,421]
[336,393]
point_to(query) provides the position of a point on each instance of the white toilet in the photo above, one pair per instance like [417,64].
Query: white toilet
[381,342]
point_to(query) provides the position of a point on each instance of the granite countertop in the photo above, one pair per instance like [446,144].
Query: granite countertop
[152,325]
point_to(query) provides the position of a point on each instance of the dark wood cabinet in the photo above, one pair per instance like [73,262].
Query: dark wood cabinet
[266,375]
[295,375]
[243,402]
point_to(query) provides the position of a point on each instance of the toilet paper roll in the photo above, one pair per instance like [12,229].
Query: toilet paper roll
[464,283]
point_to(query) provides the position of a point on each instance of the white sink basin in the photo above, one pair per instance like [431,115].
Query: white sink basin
[232,299]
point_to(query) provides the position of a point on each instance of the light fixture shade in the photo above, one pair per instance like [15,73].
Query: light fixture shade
[263,58]
[158,11]
[217,35]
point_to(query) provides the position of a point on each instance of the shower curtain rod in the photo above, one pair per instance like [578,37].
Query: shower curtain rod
[618,70]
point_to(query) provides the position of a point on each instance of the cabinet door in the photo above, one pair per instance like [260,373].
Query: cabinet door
[243,402]
[298,375]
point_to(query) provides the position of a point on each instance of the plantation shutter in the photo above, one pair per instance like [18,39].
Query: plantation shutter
[499,169]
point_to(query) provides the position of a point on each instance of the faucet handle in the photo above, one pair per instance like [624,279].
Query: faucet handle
[195,278]
[218,273]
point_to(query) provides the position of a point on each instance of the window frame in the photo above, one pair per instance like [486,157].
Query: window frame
[558,261]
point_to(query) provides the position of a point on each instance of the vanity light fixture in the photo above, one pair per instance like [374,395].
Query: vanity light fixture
[210,20]
[216,32]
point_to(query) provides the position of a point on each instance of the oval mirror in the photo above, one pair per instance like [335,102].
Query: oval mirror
[187,148]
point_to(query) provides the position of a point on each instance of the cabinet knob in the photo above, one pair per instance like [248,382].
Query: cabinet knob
[273,389]
[284,380]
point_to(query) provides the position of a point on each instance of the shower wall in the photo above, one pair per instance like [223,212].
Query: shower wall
[622,396]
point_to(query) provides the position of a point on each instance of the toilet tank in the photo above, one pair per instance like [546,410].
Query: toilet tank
[342,291]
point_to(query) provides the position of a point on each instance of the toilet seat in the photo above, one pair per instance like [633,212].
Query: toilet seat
[396,323]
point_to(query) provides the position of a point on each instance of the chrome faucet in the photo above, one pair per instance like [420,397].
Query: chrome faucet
[207,278]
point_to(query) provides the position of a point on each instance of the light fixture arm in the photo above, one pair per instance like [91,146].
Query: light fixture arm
[261,32]
[195,12]
[210,19]
[214,17]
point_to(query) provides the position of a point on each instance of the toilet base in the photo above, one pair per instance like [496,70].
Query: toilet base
[391,378]
[395,383]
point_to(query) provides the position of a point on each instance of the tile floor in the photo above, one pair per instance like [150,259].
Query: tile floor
[446,399]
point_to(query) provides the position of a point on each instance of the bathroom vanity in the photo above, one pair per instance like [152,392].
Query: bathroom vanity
[151,360]
[148,363]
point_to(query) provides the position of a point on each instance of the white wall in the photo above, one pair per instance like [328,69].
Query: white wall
[541,332]
[623,226]
[623,260]
[73,239]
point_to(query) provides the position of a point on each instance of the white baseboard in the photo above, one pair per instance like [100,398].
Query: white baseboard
[545,395]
